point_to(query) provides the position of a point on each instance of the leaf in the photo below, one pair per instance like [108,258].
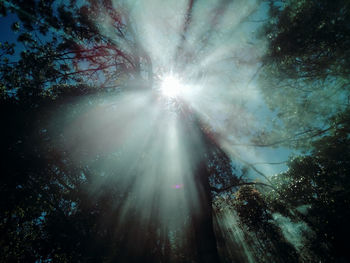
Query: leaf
[15,26]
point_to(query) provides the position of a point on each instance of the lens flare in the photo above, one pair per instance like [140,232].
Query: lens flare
[177,186]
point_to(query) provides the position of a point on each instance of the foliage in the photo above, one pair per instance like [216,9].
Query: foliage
[262,236]
[305,81]
[62,45]
[319,181]
[251,208]
[313,191]
[305,72]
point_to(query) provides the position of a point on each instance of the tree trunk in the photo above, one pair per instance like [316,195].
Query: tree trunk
[202,220]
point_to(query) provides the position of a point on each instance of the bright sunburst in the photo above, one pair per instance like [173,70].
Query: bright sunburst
[171,86]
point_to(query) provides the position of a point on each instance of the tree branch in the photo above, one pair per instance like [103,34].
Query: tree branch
[219,190]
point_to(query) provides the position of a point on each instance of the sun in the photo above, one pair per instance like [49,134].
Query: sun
[171,86]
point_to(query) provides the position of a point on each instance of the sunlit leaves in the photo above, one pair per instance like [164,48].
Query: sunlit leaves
[251,207]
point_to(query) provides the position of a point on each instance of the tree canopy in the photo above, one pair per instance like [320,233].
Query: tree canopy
[101,165]
[305,77]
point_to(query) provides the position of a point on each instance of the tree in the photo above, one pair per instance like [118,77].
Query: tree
[262,239]
[64,56]
[320,182]
[305,80]
[305,77]
[313,192]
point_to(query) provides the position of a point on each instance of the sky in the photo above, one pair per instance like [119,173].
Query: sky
[6,33]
